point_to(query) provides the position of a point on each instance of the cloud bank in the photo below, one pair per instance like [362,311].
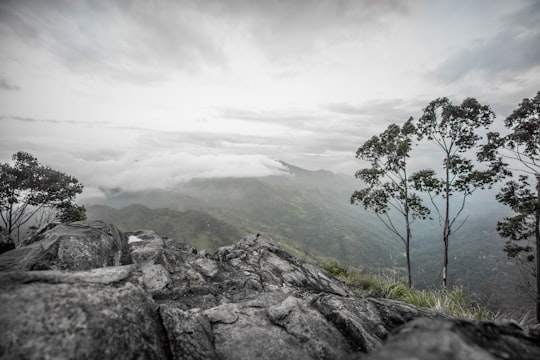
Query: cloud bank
[137,94]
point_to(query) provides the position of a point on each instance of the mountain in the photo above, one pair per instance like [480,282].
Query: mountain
[311,212]
[309,207]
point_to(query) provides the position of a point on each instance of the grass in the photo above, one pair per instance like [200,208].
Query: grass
[452,302]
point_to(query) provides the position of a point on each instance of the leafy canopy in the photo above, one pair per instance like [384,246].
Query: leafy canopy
[386,180]
[26,187]
[522,148]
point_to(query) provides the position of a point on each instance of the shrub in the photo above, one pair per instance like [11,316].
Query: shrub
[452,302]
[335,269]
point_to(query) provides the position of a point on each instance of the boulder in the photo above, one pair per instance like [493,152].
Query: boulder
[250,300]
[81,245]
[79,315]
[458,339]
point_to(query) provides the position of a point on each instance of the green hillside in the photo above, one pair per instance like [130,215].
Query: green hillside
[309,213]
[194,227]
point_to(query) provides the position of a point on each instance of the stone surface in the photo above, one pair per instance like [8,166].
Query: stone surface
[68,317]
[250,300]
[459,339]
[81,245]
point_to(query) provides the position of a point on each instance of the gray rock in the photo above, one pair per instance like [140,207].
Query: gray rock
[459,339]
[64,316]
[190,333]
[250,300]
[367,322]
[80,245]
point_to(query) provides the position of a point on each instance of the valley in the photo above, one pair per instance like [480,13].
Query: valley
[309,214]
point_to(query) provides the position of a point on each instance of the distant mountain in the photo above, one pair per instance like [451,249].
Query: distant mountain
[311,211]
[310,207]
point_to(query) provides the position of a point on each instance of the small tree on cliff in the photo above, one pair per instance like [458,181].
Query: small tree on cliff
[28,187]
[387,188]
[522,194]
[453,129]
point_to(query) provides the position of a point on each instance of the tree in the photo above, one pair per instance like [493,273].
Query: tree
[28,187]
[453,129]
[521,147]
[387,188]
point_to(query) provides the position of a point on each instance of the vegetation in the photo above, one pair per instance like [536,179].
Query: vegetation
[387,187]
[453,129]
[521,147]
[452,302]
[309,207]
[309,214]
[28,188]
[193,227]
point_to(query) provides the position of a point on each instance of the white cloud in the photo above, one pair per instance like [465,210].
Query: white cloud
[134,94]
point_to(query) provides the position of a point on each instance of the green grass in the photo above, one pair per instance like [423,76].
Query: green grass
[452,302]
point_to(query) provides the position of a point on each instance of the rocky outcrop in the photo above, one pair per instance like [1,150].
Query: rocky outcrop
[83,315]
[138,295]
[459,339]
[82,245]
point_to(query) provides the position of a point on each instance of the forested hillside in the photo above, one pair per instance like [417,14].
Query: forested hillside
[311,210]
[194,227]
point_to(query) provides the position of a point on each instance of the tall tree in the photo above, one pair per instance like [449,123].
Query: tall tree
[521,148]
[387,188]
[27,187]
[454,130]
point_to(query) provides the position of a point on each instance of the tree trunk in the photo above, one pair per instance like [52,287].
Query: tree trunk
[407,229]
[407,247]
[537,238]
[446,231]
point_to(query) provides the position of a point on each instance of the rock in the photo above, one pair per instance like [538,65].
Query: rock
[81,245]
[63,316]
[248,300]
[459,339]
[368,322]
[190,333]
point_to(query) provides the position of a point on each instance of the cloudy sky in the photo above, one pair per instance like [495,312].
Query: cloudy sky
[145,94]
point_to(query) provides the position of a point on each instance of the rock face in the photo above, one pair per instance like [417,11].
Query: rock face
[95,293]
[81,245]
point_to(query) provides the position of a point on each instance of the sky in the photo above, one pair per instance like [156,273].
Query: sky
[137,95]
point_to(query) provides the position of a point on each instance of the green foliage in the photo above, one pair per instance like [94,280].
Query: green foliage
[519,194]
[451,302]
[522,148]
[194,227]
[72,212]
[309,207]
[335,268]
[27,187]
[387,185]
[454,130]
